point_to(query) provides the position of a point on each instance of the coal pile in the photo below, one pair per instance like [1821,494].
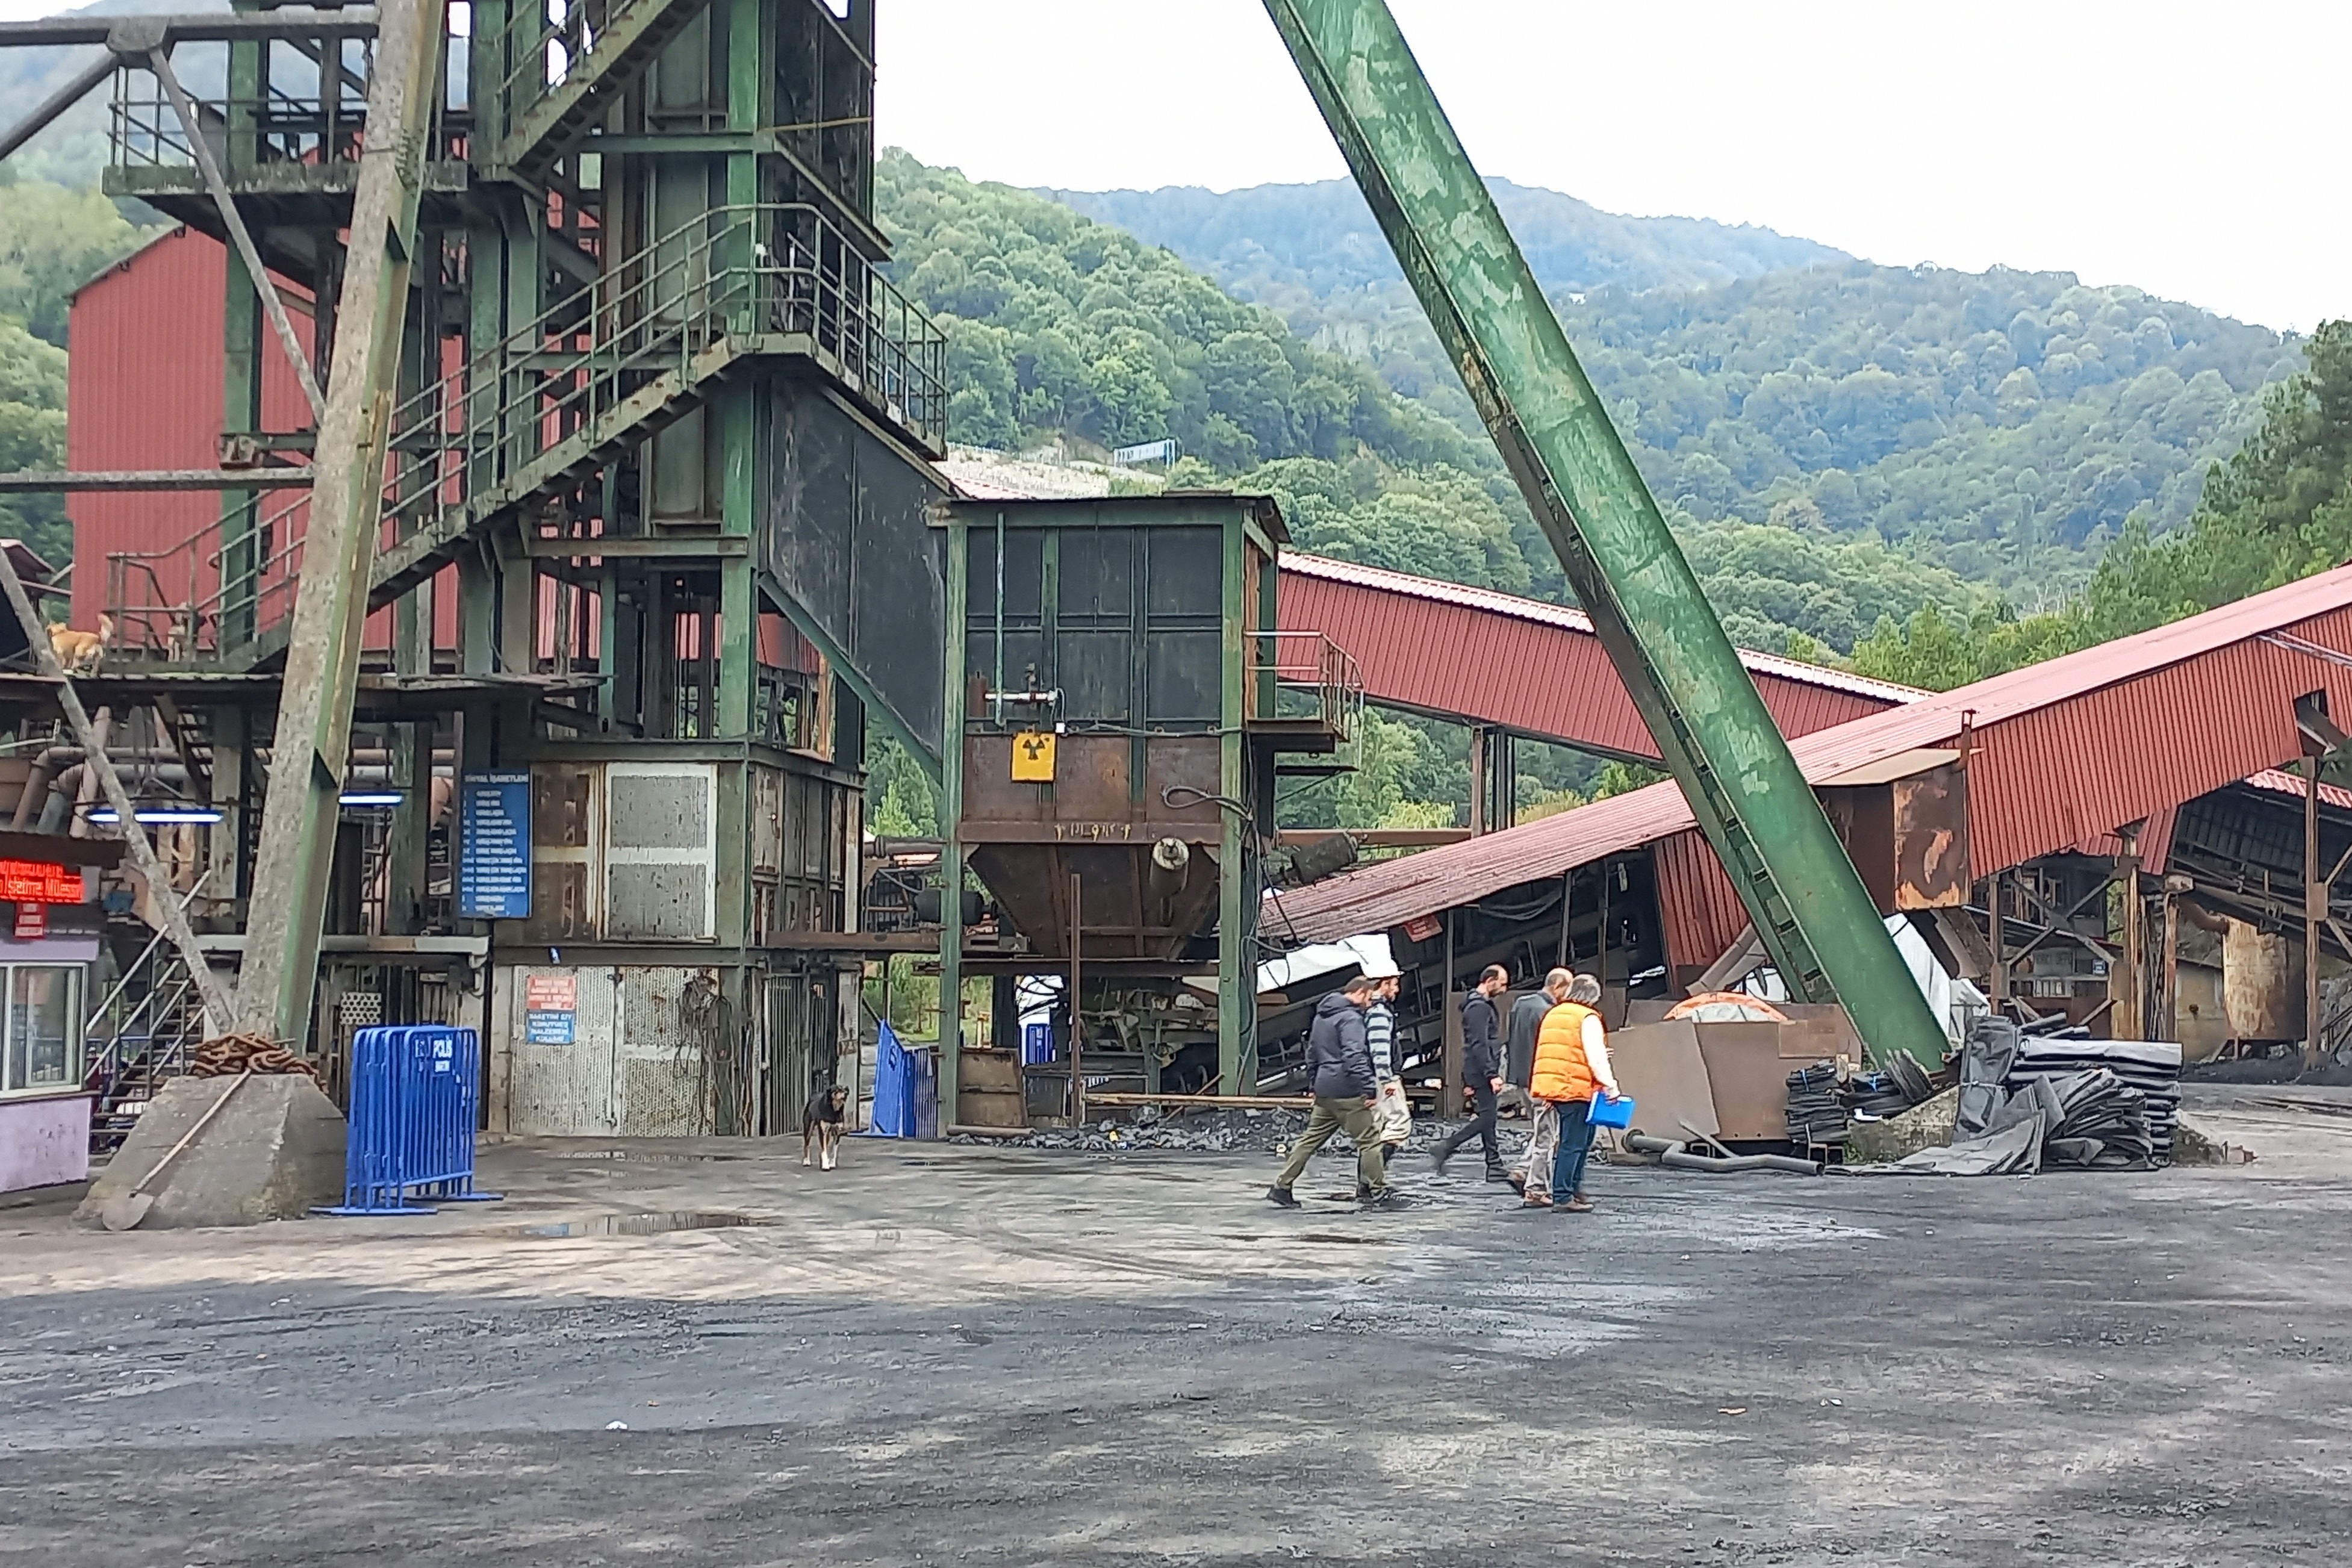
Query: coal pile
[2149,1069]
[1816,1112]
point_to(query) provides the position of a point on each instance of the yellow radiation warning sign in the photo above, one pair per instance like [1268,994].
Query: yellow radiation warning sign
[1032,757]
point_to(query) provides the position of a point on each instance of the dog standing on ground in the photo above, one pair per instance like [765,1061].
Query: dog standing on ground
[821,1125]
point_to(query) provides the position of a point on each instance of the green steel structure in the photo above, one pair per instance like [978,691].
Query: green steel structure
[1817,921]
[622,456]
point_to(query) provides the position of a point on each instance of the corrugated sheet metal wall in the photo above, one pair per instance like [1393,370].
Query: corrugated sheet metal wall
[1538,680]
[1697,906]
[144,390]
[2064,773]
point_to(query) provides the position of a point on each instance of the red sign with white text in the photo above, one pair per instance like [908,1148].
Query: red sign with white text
[39,882]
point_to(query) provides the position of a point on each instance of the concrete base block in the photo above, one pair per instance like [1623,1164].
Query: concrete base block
[1927,1125]
[274,1151]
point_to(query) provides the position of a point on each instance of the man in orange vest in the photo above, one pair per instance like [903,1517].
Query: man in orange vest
[1571,1064]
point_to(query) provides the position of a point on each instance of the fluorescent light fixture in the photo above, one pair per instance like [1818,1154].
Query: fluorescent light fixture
[372,797]
[159,814]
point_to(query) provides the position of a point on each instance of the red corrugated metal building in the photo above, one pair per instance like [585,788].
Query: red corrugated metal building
[144,389]
[2059,755]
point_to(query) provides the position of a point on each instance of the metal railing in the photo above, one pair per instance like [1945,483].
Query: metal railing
[149,1021]
[751,270]
[743,272]
[1304,676]
[213,591]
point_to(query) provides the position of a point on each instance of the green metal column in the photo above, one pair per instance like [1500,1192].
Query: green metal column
[952,750]
[312,744]
[1236,944]
[1824,934]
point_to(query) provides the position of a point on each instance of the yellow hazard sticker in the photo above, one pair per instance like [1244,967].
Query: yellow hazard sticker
[1032,757]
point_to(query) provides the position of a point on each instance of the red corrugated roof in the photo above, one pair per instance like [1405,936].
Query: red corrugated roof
[1478,656]
[2061,751]
[1536,612]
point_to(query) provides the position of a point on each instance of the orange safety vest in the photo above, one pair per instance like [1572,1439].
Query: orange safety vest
[1561,1070]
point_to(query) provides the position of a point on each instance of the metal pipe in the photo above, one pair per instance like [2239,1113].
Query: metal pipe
[56,103]
[1676,1153]
[159,61]
[48,480]
[287,21]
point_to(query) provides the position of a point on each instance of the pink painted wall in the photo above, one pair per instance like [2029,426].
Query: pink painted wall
[44,1142]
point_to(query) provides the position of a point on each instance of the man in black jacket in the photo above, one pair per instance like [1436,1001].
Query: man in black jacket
[1481,1069]
[1340,1075]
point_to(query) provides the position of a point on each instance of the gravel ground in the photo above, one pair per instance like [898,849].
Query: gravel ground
[1020,1356]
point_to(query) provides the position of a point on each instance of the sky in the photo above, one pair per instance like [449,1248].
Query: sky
[2194,150]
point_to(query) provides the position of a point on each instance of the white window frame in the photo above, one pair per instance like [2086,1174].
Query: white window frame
[76,1036]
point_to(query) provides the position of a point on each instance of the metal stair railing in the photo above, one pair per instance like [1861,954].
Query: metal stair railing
[147,1036]
[616,359]
[160,600]
[567,58]
[603,367]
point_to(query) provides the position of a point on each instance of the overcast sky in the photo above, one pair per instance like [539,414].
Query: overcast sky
[2196,150]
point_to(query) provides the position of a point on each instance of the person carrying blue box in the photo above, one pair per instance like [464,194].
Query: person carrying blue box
[1571,1066]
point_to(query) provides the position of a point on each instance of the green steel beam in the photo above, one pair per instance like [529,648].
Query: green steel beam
[312,744]
[1819,925]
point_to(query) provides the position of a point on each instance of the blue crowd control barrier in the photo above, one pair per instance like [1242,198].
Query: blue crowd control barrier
[416,1097]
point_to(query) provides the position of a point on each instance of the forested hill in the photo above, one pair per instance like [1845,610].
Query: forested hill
[2004,424]
[1269,241]
[1061,327]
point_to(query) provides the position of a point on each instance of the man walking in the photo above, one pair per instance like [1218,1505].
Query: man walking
[1527,1018]
[1533,1175]
[1392,1117]
[1481,1069]
[1571,1065]
[1340,1075]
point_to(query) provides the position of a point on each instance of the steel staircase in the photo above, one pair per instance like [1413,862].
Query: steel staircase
[139,1036]
[571,62]
[595,376]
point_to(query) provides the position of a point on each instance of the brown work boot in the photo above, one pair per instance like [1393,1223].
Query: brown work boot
[1575,1206]
[1535,1201]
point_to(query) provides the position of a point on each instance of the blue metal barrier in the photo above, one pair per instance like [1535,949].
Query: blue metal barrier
[415,1099]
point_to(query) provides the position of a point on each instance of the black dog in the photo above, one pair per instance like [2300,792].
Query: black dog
[821,1125]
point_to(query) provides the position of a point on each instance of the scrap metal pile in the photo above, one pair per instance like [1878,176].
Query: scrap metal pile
[2053,1099]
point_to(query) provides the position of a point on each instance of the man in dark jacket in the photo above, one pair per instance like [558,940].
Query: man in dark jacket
[1340,1075]
[1481,1069]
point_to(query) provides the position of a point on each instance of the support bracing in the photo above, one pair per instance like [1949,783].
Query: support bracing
[1824,935]
[168,907]
[295,856]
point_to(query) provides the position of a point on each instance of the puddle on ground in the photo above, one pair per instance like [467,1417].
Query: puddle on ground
[632,1224]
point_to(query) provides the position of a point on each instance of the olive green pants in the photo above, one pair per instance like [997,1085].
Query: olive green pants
[1352,1117]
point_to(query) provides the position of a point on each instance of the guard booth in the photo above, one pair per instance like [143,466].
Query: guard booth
[1120,705]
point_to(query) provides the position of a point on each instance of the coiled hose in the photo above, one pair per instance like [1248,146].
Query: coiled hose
[1676,1153]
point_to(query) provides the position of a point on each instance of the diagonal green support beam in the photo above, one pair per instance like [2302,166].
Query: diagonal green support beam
[312,744]
[1817,921]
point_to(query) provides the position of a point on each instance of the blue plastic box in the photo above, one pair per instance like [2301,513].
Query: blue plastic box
[1608,1112]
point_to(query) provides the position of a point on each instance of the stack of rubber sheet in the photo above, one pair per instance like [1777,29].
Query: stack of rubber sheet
[1816,1112]
[1874,1096]
[2152,1068]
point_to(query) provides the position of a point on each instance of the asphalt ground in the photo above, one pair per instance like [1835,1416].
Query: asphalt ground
[989,1356]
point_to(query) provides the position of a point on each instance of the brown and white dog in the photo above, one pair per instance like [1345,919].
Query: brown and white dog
[81,652]
[821,1125]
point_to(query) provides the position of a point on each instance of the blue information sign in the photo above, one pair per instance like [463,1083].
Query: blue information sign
[494,847]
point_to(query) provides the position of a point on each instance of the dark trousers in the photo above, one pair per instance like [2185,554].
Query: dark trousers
[1575,1143]
[1482,1123]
